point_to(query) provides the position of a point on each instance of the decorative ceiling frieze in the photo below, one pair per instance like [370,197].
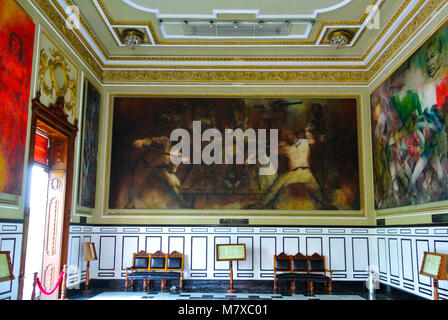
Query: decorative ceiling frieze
[410,17]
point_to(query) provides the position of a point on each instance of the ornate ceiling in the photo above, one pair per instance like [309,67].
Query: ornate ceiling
[257,41]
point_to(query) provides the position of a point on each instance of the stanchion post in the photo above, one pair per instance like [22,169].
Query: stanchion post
[64,284]
[33,293]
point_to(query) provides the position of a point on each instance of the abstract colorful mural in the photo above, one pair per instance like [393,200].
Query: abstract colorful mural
[409,123]
[317,155]
[89,145]
[16,55]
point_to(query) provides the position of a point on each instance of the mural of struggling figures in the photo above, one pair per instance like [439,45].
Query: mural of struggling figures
[409,121]
[317,153]
[16,55]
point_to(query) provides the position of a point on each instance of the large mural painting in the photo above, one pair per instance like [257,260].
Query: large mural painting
[409,123]
[16,55]
[317,154]
[90,131]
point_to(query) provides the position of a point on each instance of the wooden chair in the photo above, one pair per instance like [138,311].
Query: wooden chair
[140,264]
[158,263]
[175,262]
[299,265]
[318,269]
[282,263]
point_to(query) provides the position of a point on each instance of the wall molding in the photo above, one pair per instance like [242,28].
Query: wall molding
[396,251]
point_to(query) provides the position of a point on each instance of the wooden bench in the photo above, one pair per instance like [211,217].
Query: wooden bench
[309,269]
[156,266]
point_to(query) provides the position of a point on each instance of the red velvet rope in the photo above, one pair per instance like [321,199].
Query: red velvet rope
[54,289]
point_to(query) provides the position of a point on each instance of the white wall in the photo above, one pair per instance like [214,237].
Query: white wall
[11,240]
[396,251]
[349,251]
[400,253]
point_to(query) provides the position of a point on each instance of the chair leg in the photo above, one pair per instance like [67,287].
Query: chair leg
[275,285]
[163,285]
[330,286]
[181,283]
[311,288]
[126,284]
[293,287]
[144,284]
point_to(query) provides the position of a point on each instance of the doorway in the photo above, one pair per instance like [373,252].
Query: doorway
[48,199]
[38,209]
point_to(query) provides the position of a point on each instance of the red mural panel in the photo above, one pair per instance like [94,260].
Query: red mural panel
[16,55]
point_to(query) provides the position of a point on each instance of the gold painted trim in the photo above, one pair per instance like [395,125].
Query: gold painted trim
[149,24]
[79,46]
[361,213]
[72,84]
[415,26]
[404,58]
[351,59]
[275,77]
[230,77]
[398,212]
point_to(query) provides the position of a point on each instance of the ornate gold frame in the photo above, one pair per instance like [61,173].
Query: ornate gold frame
[107,212]
[57,62]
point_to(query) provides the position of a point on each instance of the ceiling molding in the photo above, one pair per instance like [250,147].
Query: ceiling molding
[253,70]
[149,28]
[255,12]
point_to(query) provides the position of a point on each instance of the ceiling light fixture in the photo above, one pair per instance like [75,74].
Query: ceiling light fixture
[133,38]
[340,38]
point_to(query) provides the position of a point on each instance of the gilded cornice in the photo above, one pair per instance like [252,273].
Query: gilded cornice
[203,74]
[59,23]
[405,34]
[254,77]
[270,42]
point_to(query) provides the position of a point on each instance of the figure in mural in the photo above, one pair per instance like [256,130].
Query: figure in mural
[143,177]
[90,146]
[410,150]
[155,166]
[297,151]
[16,50]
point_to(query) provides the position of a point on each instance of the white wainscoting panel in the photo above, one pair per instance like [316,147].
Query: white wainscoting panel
[396,251]
[11,240]
[348,250]
[400,254]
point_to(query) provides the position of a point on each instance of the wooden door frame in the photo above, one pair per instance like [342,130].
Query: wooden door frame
[54,117]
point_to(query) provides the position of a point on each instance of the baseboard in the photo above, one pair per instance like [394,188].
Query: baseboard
[243,286]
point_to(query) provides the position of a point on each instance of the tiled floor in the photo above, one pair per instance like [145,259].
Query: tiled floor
[215,296]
